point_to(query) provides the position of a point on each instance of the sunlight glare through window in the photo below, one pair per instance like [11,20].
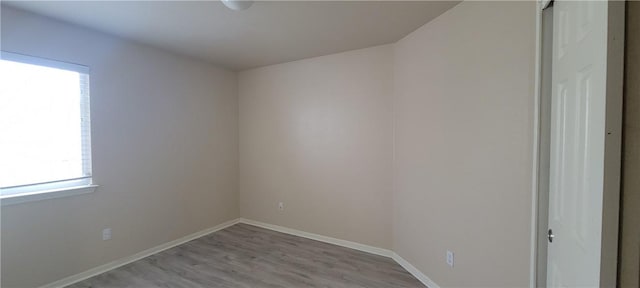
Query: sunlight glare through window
[40,124]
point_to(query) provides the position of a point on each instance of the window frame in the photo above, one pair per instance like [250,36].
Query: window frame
[57,188]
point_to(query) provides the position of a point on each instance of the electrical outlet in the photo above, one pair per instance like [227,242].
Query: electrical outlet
[449,258]
[280,206]
[106,234]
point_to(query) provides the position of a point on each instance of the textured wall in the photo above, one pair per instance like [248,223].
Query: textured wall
[464,104]
[164,137]
[316,134]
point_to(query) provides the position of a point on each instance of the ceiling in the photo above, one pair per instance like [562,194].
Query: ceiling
[269,32]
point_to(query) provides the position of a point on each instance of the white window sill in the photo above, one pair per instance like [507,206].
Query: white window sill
[46,194]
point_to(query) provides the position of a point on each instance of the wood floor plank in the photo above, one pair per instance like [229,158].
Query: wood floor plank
[248,256]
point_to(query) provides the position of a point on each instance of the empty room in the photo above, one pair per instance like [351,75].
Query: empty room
[230,143]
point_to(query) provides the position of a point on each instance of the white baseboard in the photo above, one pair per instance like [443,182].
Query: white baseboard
[344,243]
[414,271]
[126,260]
[321,238]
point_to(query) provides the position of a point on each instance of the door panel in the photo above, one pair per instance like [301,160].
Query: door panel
[577,142]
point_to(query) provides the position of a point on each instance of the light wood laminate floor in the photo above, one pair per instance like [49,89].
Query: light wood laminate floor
[247,256]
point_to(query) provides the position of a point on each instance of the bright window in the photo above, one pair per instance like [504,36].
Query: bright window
[45,129]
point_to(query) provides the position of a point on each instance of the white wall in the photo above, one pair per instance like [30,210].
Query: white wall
[164,152]
[463,118]
[316,134]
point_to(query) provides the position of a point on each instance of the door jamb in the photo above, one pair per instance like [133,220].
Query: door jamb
[540,5]
[613,143]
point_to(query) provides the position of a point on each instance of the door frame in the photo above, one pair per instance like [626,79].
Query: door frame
[613,145]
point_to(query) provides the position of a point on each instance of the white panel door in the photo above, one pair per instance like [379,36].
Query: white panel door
[577,143]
